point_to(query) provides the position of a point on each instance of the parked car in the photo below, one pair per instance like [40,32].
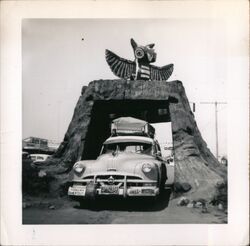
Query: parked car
[128,166]
[39,157]
[25,156]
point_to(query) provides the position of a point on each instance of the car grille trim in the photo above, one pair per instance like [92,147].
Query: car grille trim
[89,177]
[117,177]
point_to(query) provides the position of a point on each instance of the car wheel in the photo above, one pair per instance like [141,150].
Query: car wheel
[85,203]
[82,203]
[151,201]
[163,177]
[91,191]
[167,191]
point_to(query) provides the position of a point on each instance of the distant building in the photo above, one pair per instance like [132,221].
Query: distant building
[33,142]
[39,145]
[53,145]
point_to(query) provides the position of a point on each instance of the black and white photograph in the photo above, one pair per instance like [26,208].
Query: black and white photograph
[127,121]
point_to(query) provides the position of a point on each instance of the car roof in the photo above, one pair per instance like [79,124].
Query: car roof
[119,139]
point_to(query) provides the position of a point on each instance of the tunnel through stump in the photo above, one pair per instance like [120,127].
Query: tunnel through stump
[153,101]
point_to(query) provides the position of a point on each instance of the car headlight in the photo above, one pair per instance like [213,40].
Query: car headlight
[79,168]
[146,168]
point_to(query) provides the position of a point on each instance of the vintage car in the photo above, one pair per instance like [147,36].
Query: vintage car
[39,157]
[128,166]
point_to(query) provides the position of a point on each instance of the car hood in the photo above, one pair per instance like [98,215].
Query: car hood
[121,162]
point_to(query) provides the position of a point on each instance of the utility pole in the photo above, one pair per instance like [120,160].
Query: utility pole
[58,118]
[216,124]
[193,106]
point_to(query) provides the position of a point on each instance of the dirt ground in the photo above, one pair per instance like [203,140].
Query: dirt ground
[116,211]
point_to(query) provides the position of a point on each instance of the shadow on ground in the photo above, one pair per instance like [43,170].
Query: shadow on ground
[128,204]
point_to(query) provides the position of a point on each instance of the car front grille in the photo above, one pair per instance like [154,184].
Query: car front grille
[115,179]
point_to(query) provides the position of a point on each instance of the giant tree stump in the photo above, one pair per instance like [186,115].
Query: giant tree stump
[102,100]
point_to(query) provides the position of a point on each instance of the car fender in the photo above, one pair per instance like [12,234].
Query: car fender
[170,175]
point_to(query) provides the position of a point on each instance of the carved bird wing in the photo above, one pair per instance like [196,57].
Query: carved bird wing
[120,67]
[161,73]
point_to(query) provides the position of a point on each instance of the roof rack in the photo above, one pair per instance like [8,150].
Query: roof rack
[131,126]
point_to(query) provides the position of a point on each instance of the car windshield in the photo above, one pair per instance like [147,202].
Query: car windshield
[131,147]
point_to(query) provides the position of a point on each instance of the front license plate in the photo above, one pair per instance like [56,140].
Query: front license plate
[135,192]
[110,189]
[77,191]
[148,191]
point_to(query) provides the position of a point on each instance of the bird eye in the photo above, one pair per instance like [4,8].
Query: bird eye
[139,53]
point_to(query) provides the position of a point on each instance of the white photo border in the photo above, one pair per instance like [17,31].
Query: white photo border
[235,15]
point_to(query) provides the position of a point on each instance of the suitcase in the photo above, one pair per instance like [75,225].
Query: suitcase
[131,126]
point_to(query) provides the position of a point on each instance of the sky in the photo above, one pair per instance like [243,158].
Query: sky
[59,56]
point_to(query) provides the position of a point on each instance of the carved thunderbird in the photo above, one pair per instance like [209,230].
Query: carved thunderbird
[140,68]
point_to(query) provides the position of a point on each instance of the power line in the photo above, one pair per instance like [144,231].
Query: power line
[216,124]
[215,103]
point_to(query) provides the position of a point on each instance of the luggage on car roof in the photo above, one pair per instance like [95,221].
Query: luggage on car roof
[131,126]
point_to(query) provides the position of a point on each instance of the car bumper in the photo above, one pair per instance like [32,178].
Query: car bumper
[144,191]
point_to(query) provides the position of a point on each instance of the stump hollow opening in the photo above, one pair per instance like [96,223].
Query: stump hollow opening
[103,112]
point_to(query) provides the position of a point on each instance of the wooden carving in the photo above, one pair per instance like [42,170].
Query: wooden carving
[140,68]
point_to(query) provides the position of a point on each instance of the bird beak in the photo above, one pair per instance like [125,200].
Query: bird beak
[133,43]
[151,46]
[151,56]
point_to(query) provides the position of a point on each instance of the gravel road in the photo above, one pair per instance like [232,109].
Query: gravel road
[116,211]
